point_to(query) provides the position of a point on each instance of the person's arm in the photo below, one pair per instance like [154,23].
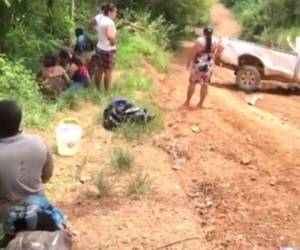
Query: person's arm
[48,168]
[94,24]
[71,71]
[111,35]
[67,79]
[195,50]
[218,51]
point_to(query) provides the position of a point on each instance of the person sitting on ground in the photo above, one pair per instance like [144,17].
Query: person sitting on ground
[83,42]
[52,78]
[81,77]
[201,64]
[76,70]
[25,160]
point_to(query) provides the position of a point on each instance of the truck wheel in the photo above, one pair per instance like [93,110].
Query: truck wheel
[248,78]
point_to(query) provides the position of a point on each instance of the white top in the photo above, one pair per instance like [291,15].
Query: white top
[102,23]
[202,41]
[298,44]
[98,18]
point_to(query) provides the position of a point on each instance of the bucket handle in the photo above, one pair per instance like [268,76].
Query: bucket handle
[69,119]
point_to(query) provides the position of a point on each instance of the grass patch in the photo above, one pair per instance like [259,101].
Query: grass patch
[122,160]
[140,185]
[147,40]
[161,60]
[133,131]
[104,184]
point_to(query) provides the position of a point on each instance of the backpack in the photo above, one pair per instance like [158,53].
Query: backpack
[34,214]
[121,111]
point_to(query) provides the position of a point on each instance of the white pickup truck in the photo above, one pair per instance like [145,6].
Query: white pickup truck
[253,63]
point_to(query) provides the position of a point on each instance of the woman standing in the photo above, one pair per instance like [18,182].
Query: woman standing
[106,47]
[201,63]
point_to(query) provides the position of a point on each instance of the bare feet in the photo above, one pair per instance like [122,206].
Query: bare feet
[186,106]
[201,106]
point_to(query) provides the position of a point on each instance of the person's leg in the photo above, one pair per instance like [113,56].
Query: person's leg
[98,78]
[190,93]
[203,94]
[107,78]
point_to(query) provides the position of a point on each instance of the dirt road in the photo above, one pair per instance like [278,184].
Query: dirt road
[233,182]
[243,171]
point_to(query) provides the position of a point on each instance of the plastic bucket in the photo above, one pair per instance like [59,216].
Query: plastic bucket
[68,137]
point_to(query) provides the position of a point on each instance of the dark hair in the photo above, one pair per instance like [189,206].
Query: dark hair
[10,118]
[103,6]
[208,32]
[79,32]
[64,54]
[50,60]
[109,7]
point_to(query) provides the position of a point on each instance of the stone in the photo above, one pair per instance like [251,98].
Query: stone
[209,204]
[193,195]
[246,161]
[176,168]
[273,181]
[194,179]
[195,129]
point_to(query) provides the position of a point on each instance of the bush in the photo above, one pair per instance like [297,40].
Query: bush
[263,22]
[181,13]
[16,82]
[142,37]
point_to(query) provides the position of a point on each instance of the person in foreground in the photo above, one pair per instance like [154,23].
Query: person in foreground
[106,47]
[201,64]
[25,161]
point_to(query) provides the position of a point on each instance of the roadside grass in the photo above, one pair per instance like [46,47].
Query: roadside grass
[104,184]
[122,160]
[132,131]
[140,185]
[142,48]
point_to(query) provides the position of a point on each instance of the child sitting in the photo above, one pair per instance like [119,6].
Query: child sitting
[76,70]
[83,42]
[52,78]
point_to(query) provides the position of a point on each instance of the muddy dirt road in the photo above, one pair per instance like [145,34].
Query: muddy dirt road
[233,182]
[243,173]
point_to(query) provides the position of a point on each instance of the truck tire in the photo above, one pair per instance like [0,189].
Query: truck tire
[248,78]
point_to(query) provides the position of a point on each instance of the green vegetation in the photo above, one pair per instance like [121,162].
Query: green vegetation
[140,185]
[182,13]
[144,38]
[147,29]
[268,22]
[104,184]
[122,160]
